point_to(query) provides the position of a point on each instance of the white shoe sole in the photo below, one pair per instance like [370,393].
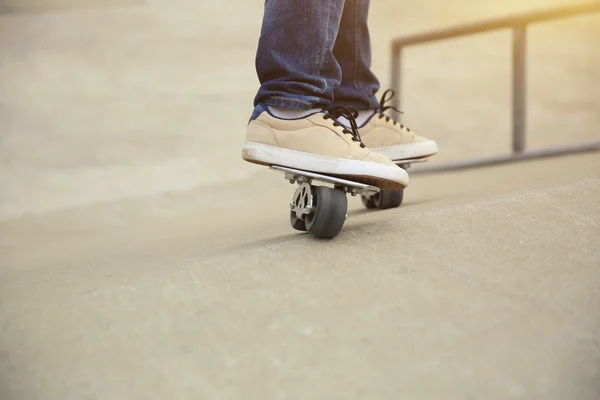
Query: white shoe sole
[383,176]
[408,151]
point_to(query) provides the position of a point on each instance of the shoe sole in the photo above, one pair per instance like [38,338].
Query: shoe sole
[370,173]
[408,151]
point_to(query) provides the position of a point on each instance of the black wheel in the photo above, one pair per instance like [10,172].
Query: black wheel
[386,199]
[297,223]
[368,202]
[330,207]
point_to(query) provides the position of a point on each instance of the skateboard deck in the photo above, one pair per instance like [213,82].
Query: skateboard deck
[405,164]
[352,187]
[321,210]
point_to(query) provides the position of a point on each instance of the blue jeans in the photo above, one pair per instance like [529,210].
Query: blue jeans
[315,53]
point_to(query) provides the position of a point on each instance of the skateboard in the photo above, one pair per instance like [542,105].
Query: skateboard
[386,199]
[322,210]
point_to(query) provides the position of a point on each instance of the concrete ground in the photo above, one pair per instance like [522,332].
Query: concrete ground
[140,258]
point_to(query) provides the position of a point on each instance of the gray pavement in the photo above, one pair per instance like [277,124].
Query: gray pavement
[140,258]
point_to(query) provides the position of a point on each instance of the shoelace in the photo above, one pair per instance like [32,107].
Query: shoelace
[383,108]
[335,112]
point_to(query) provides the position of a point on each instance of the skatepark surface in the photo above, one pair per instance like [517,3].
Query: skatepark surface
[141,258]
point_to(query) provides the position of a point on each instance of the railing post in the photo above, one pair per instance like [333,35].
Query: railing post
[519,89]
[396,77]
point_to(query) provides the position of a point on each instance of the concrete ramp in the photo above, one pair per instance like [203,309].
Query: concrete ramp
[485,284]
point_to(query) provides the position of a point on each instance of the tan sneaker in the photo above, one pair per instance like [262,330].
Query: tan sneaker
[385,136]
[318,143]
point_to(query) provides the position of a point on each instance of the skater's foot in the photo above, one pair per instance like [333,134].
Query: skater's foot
[383,135]
[319,143]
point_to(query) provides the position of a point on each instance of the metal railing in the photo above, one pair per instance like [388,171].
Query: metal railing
[518,24]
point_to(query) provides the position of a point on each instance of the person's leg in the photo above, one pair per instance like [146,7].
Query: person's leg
[352,51]
[293,123]
[378,131]
[294,61]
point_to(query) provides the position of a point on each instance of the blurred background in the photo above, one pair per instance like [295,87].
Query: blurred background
[141,258]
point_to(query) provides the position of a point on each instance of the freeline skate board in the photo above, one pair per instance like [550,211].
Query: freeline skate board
[386,199]
[405,164]
[352,187]
[321,210]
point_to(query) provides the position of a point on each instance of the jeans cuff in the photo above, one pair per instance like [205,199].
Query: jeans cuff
[301,104]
